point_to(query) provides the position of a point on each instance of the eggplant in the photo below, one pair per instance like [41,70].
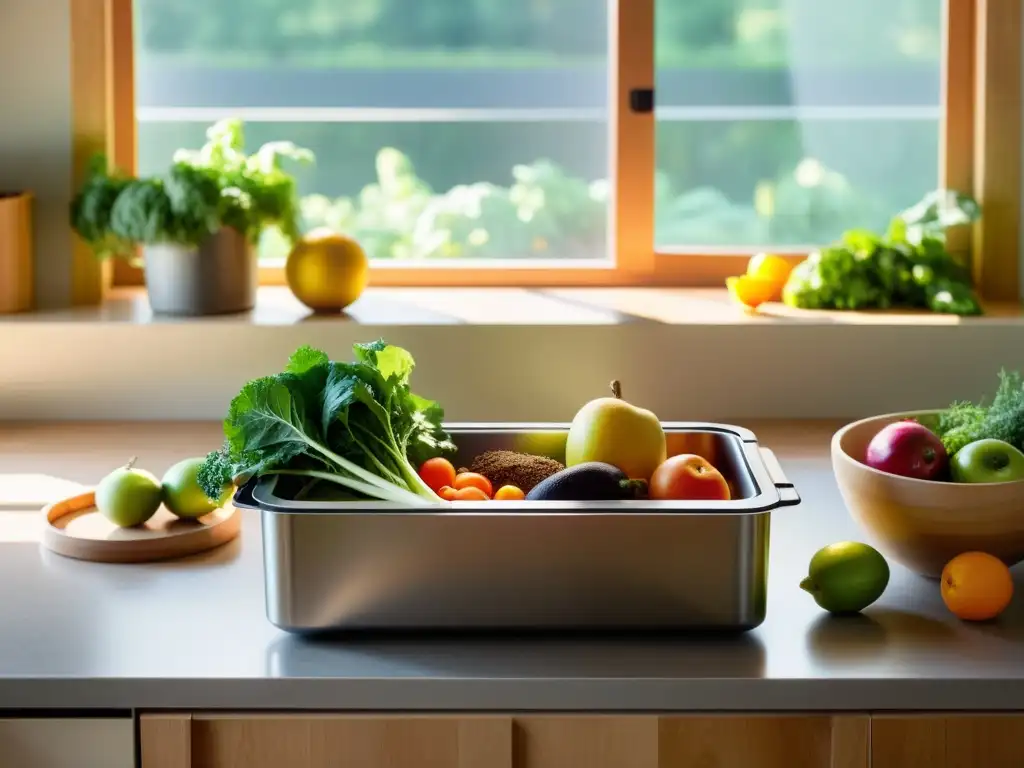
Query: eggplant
[590,481]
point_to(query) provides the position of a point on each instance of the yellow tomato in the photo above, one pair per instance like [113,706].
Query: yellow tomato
[768,266]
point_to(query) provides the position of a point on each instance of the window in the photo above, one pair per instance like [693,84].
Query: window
[781,123]
[487,142]
[443,129]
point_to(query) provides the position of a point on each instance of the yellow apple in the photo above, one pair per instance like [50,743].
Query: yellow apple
[615,432]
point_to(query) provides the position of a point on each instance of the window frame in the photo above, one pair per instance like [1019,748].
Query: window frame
[980,152]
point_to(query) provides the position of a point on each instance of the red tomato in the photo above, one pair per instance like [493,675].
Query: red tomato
[688,477]
[437,473]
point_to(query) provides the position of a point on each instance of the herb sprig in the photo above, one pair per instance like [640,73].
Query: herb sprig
[964,422]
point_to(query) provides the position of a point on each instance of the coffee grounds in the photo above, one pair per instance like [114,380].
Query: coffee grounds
[522,470]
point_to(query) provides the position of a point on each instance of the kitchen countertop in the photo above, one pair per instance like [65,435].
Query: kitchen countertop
[192,634]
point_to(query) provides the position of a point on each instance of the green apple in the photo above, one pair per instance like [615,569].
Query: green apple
[987,461]
[127,496]
[182,493]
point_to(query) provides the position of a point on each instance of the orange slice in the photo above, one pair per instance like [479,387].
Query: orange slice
[752,292]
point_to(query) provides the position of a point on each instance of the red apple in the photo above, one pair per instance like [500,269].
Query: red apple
[909,449]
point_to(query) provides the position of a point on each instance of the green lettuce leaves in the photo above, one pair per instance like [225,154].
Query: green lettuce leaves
[908,266]
[355,424]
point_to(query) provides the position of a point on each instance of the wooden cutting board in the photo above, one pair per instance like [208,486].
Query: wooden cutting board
[74,528]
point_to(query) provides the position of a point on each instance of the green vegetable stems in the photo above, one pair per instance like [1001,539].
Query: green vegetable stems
[355,424]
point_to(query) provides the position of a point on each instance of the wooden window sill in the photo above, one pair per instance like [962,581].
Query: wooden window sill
[512,306]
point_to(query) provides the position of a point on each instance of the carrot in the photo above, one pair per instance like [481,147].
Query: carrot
[473,480]
[437,473]
[471,493]
[509,493]
[447,493]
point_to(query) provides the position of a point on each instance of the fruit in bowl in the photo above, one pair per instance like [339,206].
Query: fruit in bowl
[976,443]
[988,461]
[907,448]
[923,524]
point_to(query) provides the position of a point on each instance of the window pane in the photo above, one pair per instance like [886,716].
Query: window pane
[784,122]
[499,109]
[467,197]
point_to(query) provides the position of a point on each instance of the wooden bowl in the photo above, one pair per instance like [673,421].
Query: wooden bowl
[923,524]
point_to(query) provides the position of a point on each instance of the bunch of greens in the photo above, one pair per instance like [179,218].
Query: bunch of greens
[909,266]
[964,422]
[356,424]
[203,190]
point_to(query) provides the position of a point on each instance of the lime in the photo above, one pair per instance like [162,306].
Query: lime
[846,577]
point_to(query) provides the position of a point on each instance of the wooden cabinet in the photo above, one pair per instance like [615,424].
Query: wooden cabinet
[947,741]
[315,741]
[59,742]
[543,741]
[585,741]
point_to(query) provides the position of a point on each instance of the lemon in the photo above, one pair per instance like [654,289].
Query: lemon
[846,577]
[327,271]
[768,266]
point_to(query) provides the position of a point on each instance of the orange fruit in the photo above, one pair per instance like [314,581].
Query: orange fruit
[509,493]
[752,291]
[976,586]
[768,266]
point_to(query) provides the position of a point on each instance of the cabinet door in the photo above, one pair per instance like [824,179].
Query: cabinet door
[67,743]
[712,741]
[312,741]
[543,741]
[791,741]
[941,741]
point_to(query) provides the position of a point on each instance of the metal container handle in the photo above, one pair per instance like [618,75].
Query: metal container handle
[788,495]
[243,498]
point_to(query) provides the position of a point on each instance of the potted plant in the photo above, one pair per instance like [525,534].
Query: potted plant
[198,224]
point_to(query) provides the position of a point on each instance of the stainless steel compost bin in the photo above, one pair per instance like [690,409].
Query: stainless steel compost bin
[626,565]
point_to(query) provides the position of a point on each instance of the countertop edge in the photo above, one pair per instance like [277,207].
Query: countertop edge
[515,695]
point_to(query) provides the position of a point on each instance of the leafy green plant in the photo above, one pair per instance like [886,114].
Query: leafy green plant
[216,186]
[256,191]
[92,208]
[354,424]
[908,266]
